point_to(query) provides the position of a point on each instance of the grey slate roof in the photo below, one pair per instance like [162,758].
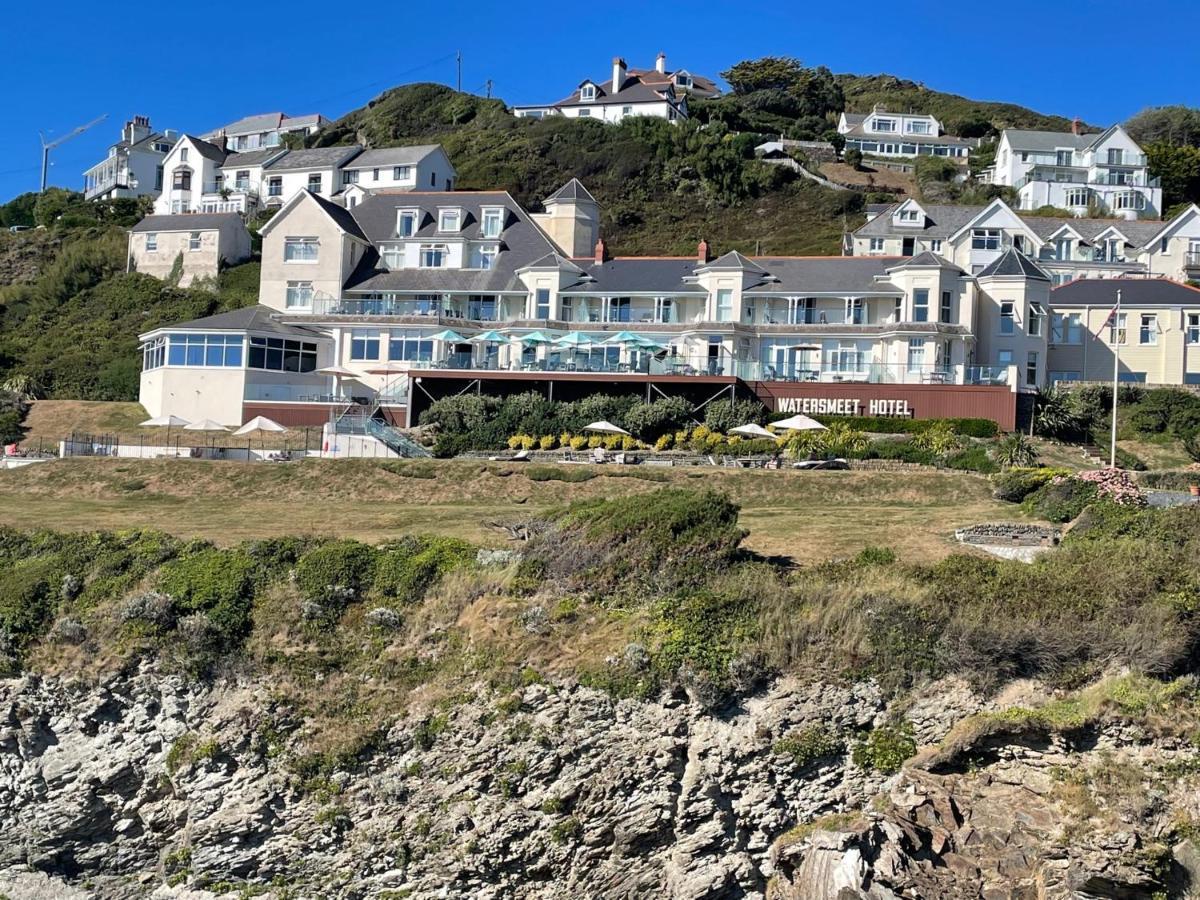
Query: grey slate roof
[633,275]
[944,220]
[1134,292]
[254,157]
[208,150]
[1046,141]
[521,242]
[393,156]
[314,158]
[188,222]
[1014,263]
[924,260]
[632,90]
[825,275]
[248,318]
[340,214]
[572,190]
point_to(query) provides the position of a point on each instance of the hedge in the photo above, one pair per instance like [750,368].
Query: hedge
[978,428]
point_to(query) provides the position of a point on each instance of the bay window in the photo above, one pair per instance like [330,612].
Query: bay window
[1007,317]
[207,350]
[921,305]
[282,355]
[916,354]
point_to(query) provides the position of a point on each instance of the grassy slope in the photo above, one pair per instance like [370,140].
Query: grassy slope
[864,91]
[806,516]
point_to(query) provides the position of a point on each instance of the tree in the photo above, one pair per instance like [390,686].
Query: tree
[779,73]
[52,203]
[1179,169]
[853,158]
[18,211]
[837,140]
[1175,125]
[973,124]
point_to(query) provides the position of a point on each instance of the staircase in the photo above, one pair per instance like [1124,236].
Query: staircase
[395,440]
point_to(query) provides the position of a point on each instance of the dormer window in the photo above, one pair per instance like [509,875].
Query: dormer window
[918,127]
[406,223]
[449,219]
[888,125]
[908,217]
[587,92]
[493,222]
[683,80]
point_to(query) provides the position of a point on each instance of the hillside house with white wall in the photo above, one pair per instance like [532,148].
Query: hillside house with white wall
[629,92]
[418,168]
[265,130]
[884,133]
[1077,172]
[134,165]
[1066,248]
[186,248]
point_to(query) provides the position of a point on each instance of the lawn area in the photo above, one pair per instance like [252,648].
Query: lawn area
[808,516]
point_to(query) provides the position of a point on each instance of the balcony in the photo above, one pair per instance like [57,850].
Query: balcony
[1191,260]
[104,179]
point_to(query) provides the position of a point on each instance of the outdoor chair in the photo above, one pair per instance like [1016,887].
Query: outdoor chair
[599,455]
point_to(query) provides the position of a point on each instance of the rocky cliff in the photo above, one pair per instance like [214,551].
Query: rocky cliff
[153,785]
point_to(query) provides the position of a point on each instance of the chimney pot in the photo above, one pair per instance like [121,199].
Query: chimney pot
[702,251]
[601,251]
[1075,123]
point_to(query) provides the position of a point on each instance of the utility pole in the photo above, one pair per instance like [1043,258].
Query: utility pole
[47,146]
[1116,335]
[458,59]
[489,89]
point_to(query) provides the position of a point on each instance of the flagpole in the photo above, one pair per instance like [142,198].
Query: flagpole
[1116,333]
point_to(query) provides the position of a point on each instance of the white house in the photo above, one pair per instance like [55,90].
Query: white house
[1068,249]
[134,165]
[419,168]
[185,248]
[629,92]
[1077,172]
[884,133]
[265,130]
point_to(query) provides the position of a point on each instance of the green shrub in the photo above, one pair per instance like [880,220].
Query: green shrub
[1014,450]
[406,569]
[810,744]
[1061,500]
[972,459]
[1014,485]
[218,583]
[875,556]
[649,421]
[976,428]
[885,749]
[722,415]
[335,572]
[573,474]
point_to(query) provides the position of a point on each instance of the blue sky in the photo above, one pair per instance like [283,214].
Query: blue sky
[194,72]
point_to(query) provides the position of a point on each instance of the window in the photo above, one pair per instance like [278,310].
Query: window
[158,178]
[393,256]
[846,357]
[946,312]
[299,295]
[1115,156]
[855,313]
[724,305]
[154,353]
[1193,328]
[908,217]
[409,346]
[448,219]
[541,303]
[876,245]
[1066,329]
[587,92]
[282,355]
[182,180]
[1117,328]
[617,309]
[626,110]
[374,174]
[985,239]
[1007,318]
[401,173]
[151,242]
[1062,157]
[585,113]
[433,256]
[493,220]
[301,249]
[1148,330]
[918,127]
[682,80]
[1129,200]
[1031,372]
[364,345]
[275,186]
[183,154]
[350,176]
[208,350]
[314,182]
[193,241]
[1004,358]
[916,354]
[885,125]
[1077,197]
[433,179]
[487,257]
[406,223]
[241,180]
[921,305]
[1037,315]
[935,245]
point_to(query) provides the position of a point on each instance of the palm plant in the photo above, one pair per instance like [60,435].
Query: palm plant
[1014,451]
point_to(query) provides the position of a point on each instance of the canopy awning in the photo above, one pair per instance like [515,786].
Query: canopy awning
[798,423]
[751,430]
[605,428]
[261,423]
[450,337]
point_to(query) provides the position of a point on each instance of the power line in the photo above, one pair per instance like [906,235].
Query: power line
[392,80]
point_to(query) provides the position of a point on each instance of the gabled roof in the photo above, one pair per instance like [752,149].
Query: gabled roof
[926,260]
[572,190]
[314,158]
[339,214]
[553,261]
[188,222]
[636,88]
[1047,141]
[1192,210]
[205,148]
[941,221]
[273,121]
[394,156]
[733,261]
[1014,264]
[1146,292]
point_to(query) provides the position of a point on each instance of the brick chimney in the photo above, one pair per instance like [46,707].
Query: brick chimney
[601,251]
[660,64]
[1075,123]
[136,129]
[618,78]
[702,251]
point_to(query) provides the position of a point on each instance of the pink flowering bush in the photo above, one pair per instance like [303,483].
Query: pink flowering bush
[1115,485]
